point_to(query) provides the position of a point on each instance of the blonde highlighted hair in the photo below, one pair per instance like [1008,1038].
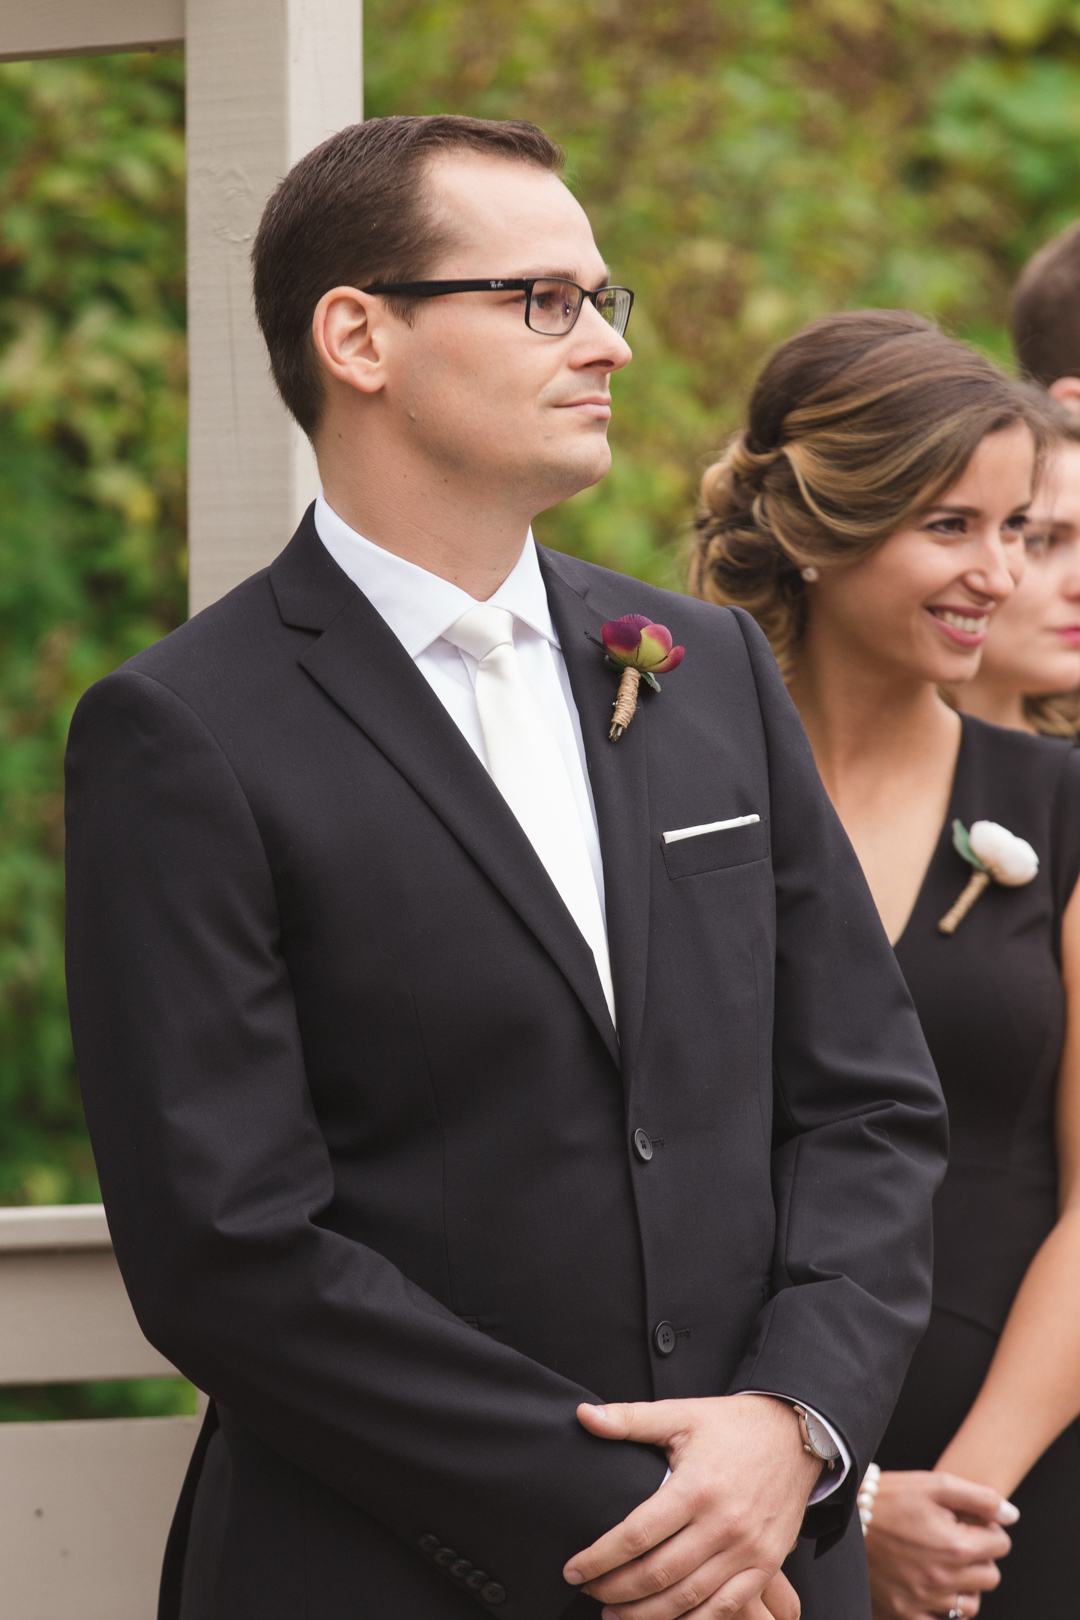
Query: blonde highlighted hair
[857,423]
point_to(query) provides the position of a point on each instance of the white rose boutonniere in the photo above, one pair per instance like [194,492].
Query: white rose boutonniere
[996,854]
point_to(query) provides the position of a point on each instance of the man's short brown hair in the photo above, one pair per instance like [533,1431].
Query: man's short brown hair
[1044,311]
[354,211]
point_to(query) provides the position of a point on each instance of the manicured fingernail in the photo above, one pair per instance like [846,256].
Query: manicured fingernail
[1008,1513]
[608,1614]
[574,1576]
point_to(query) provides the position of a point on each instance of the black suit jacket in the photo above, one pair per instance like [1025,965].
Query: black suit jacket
[365,1130]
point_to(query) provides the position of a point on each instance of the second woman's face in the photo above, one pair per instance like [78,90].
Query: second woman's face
[1034,642]
[920,605]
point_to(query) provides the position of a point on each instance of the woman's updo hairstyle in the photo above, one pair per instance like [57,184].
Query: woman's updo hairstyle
[857,423]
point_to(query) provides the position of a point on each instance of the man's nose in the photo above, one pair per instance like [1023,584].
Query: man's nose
[612,352]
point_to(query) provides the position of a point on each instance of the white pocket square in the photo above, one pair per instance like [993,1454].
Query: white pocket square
[708,826]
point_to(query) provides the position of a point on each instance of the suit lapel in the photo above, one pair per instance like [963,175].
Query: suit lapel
[619,776]
[364,669]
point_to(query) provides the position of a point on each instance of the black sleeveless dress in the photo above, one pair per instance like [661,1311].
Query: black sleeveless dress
[992,1006]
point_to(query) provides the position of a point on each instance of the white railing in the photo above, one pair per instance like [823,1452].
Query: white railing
[85,1507]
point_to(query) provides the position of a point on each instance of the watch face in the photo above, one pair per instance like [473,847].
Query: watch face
[820,1438]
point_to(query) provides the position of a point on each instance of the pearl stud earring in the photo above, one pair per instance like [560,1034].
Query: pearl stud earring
[810,575]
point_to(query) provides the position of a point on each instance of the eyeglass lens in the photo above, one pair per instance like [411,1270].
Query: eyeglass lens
[554,306]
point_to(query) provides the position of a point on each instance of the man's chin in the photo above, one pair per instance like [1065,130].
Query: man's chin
[572,474]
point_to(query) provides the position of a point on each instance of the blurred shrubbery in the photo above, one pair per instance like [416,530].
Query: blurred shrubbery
[746,167]
[92,492]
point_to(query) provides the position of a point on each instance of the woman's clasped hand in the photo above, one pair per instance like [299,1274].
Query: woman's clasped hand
[935,1539]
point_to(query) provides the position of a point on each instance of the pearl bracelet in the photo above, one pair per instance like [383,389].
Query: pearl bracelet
[867,1492]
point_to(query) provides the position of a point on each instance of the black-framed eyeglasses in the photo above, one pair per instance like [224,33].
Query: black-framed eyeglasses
[551,305]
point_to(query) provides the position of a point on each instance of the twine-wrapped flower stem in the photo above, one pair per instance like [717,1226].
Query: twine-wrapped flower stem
[639,650]
[625,703]
[996,854]
[976,883]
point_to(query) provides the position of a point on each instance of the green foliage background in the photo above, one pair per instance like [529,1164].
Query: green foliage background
[92,491]
[746,167]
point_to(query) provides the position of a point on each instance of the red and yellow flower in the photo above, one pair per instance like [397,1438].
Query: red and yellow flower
[641,650]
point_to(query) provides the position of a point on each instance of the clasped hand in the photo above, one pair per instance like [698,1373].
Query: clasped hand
[711,1541]
[933,1537]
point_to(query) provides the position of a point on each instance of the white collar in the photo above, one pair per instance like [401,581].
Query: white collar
[418,606]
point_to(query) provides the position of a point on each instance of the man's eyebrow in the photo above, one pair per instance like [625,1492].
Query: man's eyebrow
[564,275]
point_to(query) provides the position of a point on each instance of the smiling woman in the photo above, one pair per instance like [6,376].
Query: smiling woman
[858,426]
[873,517]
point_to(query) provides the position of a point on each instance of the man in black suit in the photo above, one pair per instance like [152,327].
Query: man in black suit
[451,1068]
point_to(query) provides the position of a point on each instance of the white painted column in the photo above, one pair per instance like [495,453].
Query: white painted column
[266,81]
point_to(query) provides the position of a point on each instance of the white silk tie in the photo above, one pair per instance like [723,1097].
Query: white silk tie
[528,770]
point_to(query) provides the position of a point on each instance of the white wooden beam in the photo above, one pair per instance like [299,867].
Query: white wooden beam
[267,80]
[64,1314]
[85,1507]
[87,27]
[85,1510]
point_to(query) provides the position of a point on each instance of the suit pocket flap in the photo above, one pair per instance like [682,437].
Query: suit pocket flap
[710,852]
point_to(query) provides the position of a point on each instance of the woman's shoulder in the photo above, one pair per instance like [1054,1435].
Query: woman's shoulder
[1028,764]
[1003,742]
[1029,784]
[1018,765]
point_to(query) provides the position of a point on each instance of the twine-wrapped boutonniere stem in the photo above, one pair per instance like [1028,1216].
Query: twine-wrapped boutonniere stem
[995,853]
[641,650]
[976,883]
[625,703]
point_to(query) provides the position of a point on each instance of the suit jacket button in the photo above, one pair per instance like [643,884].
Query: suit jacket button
[492,1592]
[664,1338]
[479,1578]
[461,1569]
[429,1544]
[445,1557]
[643,1146]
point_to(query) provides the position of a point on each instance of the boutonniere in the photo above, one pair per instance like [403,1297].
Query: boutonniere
[995,853]
[641,650]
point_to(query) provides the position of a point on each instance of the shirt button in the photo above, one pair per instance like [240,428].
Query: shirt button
[492,1592]
[477,1580]
[445,1557]
[643,1146]
[664,1338]
[429,1544]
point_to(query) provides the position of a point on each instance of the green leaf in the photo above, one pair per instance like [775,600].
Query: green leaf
[962,845]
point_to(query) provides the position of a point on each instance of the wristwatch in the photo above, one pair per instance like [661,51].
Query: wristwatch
[816,1438]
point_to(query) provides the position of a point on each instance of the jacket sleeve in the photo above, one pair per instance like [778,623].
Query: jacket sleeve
[217,1178]
[860,1136]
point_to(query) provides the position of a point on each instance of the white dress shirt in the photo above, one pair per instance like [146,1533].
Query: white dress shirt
[420,607]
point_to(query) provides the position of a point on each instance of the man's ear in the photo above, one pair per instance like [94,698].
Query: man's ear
[1067,392]
[346,330]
